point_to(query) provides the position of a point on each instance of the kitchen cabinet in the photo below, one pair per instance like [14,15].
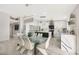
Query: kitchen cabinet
[68,43]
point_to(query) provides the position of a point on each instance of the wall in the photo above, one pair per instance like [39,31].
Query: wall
[76,12]
[4,26]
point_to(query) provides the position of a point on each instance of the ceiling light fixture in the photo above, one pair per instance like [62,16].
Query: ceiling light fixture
[26,5]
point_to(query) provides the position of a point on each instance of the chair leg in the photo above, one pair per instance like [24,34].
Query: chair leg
[18,47]
[22,50]
[43,51]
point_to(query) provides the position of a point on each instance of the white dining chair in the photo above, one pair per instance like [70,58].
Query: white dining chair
[43,46]
[25,44]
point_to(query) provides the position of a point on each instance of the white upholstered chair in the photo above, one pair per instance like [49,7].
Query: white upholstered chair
[43,46]
[25,44]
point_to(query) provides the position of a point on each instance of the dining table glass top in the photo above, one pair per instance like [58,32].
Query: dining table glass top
[38,39]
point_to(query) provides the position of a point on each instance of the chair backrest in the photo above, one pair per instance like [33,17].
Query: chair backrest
[26,43]
[48,40]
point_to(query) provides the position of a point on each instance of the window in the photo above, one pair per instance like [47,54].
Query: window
[17,27]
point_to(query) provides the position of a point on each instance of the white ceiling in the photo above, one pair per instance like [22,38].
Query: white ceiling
[51,11]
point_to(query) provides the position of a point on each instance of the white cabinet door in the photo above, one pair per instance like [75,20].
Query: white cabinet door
[68,43]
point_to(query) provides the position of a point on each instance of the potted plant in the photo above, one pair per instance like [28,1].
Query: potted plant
[29,34]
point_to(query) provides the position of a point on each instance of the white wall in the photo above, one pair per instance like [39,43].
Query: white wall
[76,12]
[4,26]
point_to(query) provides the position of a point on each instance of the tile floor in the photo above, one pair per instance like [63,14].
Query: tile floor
[8,47]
